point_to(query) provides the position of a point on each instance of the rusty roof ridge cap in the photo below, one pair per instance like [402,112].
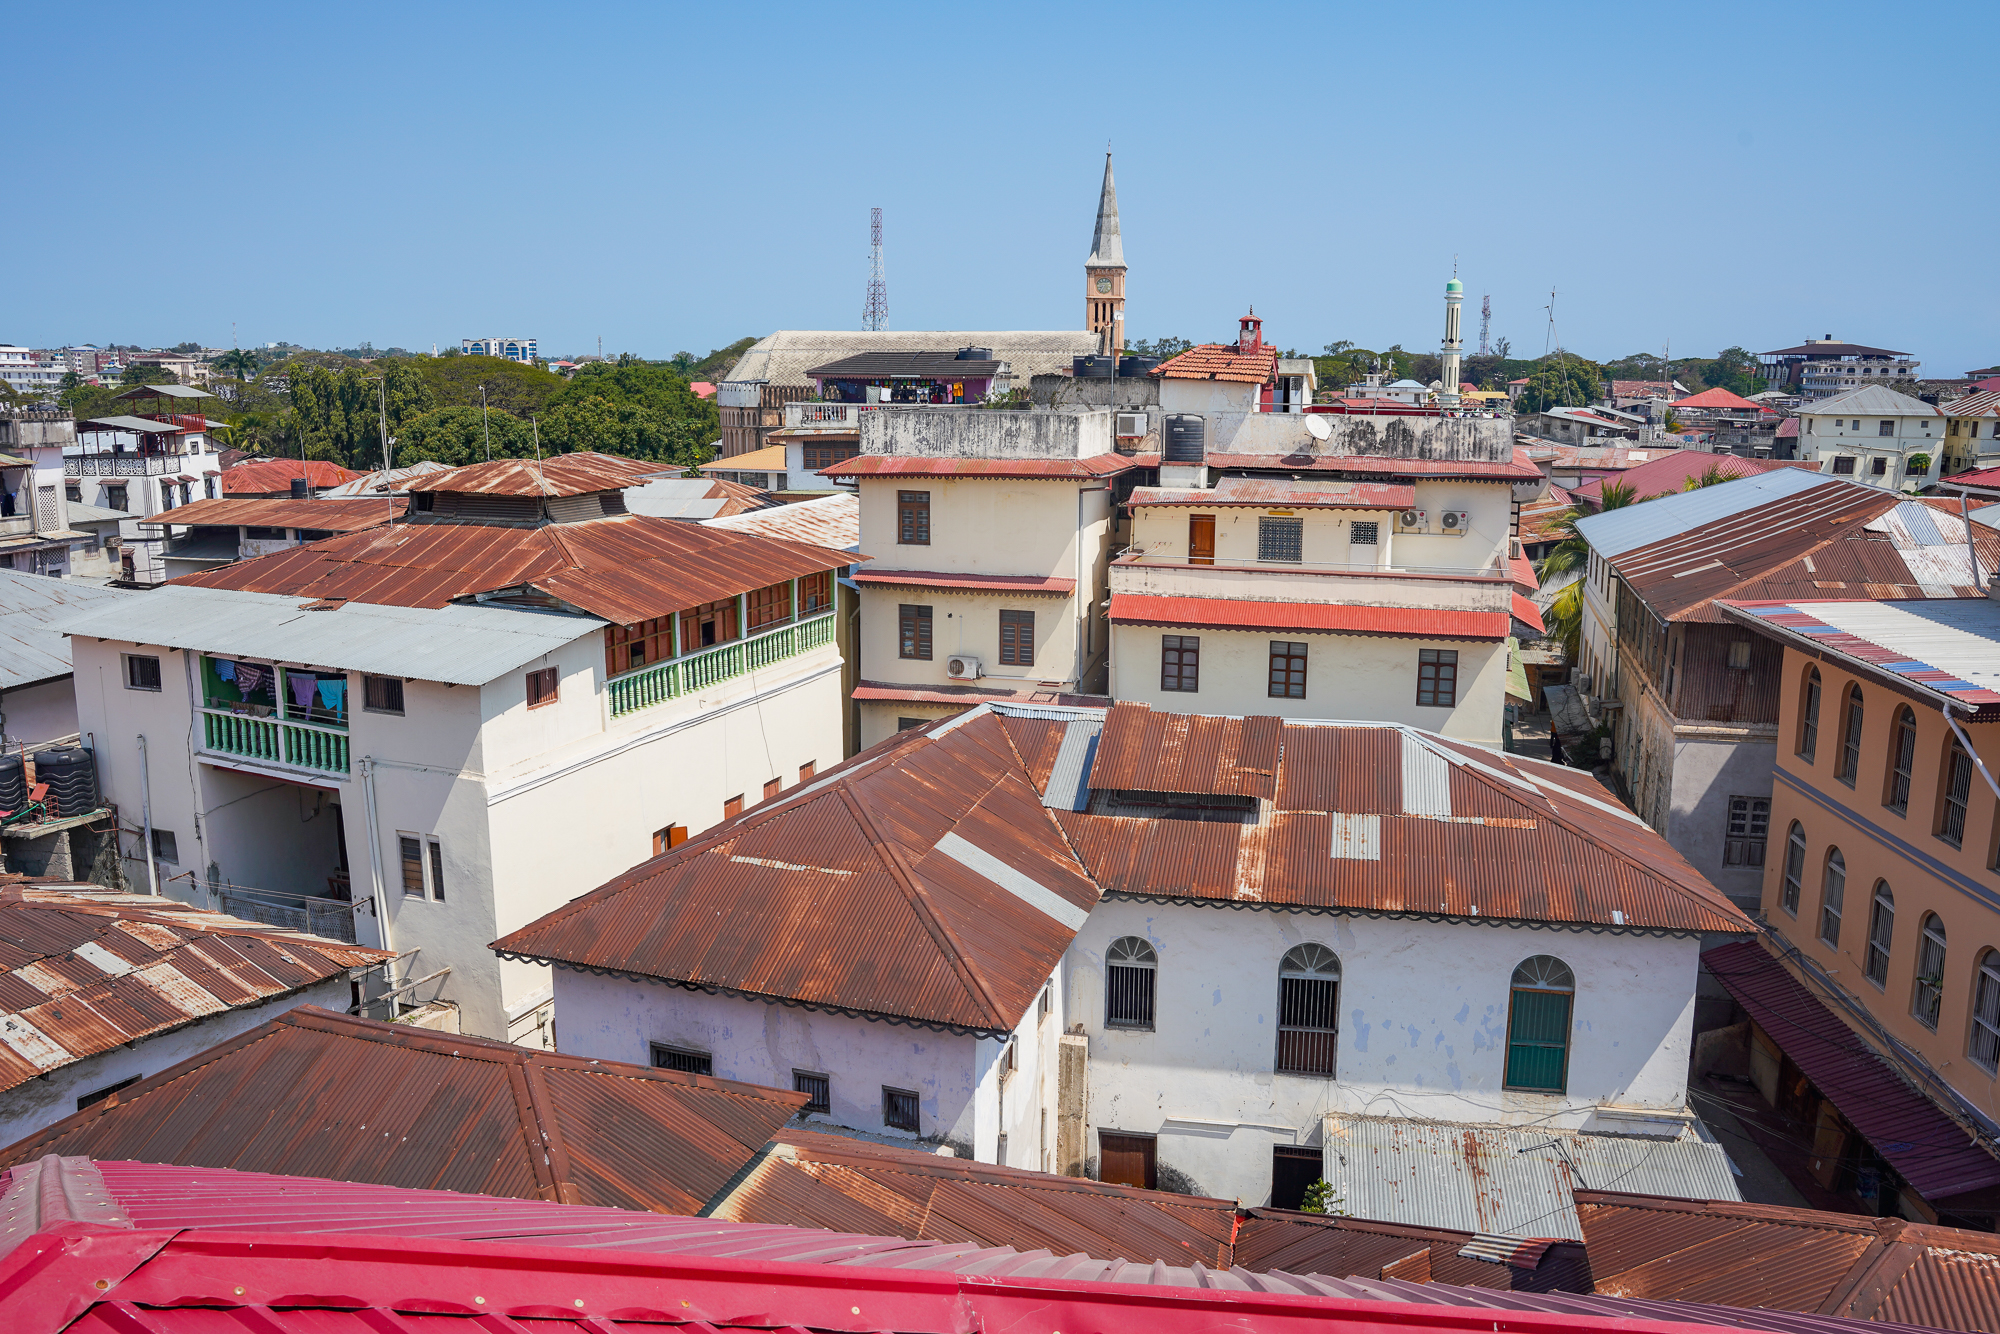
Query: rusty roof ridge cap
[919,901]
[608,1069]
[463,1045]
[1882,1264]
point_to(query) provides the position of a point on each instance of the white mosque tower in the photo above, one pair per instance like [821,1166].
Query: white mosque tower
[1454,293]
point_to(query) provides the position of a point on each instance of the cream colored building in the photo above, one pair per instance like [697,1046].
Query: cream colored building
[1875,436]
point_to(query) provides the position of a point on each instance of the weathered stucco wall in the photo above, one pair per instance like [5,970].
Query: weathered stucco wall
[986,433]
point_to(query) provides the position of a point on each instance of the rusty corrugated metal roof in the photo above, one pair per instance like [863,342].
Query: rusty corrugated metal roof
[626,568]
[1342,1247]
[558,475]
[1772,1257]
[921,880]
[1031,585]
[87,970]
[832,521]
[319,1094]
[257,476]
[334,516]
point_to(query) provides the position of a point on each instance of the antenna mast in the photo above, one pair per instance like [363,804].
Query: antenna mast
[1485,325]
[876,316]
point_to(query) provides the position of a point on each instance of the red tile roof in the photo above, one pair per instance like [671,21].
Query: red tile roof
[1306,617]
[268,476]
[84,970]
[1029,584]
[626,569]
[1930,1150]
[1221,361]
[442,1111]
[867,891]
[558,475]
[899,465]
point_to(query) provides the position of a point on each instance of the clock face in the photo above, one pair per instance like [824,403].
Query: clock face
[1103,284]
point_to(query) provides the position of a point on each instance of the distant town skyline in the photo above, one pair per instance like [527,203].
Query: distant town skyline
[639,190]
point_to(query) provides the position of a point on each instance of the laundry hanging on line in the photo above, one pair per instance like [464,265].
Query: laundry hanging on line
[333,693]
[225,669]
[302,689]
[249,678]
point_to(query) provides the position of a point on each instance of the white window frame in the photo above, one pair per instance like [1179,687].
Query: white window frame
[125,661]
[430,855]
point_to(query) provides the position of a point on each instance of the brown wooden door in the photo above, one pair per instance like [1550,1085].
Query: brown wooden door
[1127,1160]
[1201,539]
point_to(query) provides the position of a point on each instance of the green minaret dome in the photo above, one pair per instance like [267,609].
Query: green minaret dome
[1454,286]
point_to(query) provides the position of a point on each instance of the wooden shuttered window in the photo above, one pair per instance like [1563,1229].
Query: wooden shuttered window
[1180,663]
[1017,638]
[543,686]
[815,593]
[1538,1022]
[913,632]
[913,518]
[1128,1160]
[771,605]
[710,623]
[630,646]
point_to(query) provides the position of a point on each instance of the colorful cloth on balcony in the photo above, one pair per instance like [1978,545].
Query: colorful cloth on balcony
[302,689]
[250,678]
[225,668]
[333,693]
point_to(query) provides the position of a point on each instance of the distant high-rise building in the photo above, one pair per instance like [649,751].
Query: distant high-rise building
[513,349]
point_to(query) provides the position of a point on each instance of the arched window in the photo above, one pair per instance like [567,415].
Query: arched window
[1809,716]
[1832,896]
[1130,969]
[1881,932]
[1538,1011]
[1308,1009]
[1955,794]
[1983,1043]
[1924,1000]
[1902,753]
[1795,867]
[1850,737]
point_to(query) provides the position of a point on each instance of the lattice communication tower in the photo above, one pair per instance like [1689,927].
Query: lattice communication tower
[876,316]
[1485,324]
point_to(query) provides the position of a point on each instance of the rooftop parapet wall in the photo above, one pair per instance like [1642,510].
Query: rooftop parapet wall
[985,433]
[1442,439]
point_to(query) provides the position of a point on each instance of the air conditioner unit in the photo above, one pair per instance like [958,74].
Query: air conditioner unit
[1456,522]
[1412,521]
[962,667]
[1131,424]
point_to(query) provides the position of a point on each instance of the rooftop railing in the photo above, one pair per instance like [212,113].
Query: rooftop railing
[274,741]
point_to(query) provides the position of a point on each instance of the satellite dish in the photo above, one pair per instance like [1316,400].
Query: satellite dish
[1317,427]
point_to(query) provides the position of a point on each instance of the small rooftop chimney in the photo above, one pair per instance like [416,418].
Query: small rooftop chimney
[1249,334]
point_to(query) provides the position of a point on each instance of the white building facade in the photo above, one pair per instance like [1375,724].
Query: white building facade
[1875,436]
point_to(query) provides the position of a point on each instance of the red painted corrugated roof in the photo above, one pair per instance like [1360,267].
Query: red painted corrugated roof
[970,583]
[1673,470]
[1717,398]
[1306,617]
[1528,614]
[261,476]
[900,465]
[1523,571]
[1984,477]
[1930,1150]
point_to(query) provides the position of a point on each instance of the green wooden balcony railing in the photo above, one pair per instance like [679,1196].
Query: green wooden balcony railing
[669,680]
[275,741]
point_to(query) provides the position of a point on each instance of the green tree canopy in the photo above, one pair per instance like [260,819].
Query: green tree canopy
[337,413]
[147,373]
[1558,382]
[510,386]
[626,428]
[455,436]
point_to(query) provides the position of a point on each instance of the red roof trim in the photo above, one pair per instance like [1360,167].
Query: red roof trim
[1307,617]
[1028,584]
[897,465]
[1528,614]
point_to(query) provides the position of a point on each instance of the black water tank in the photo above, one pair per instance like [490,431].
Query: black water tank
[1186,439]
[72,779]
[1136,366]
[1091,368]
[13,782]
[299,491]
[975,354]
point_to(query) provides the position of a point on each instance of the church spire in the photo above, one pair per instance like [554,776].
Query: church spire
[1107,250]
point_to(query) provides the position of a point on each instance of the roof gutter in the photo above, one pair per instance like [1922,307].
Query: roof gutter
[1915,689]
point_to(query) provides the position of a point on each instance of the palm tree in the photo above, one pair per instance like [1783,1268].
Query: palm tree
[1711,476]
[1572,552]
[238,363]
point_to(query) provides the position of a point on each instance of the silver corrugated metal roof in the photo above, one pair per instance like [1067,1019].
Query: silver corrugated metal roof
[80,513]
[1520,1183]
[381,481]
[1870,400]
[32,647]
[676,498]
[1615,532]
[461,645]
[832,521]
[1069,781]
[1956,635]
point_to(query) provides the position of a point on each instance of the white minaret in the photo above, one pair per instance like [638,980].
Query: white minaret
[1454,293]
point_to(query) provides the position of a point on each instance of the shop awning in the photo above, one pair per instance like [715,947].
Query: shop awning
[1932,1152]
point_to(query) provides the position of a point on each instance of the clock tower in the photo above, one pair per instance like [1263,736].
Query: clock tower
[1104,272]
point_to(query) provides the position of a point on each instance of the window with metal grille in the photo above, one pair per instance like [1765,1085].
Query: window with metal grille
[1363,534]
[413,865]
[1885,428]
[1956,796]
[1437,677]
[166,847]
[1795,868]
[542,687]
[1130,970]
[437,870]
[1832,896]
[817,1088]
[382,694]
[141,672]
[1809,716]
[1843,465]
[1983,1043]
[1881,934]
[684,1059]
[1180,663]
[1281,539]
[1017,638]
[1850,737]
[1288,670]
[825,456]
[1902,754]
[899,1109]
[914,635]
[1538,1017]
[1928,990]
[913,518]
[1308,1009]
[1749,827]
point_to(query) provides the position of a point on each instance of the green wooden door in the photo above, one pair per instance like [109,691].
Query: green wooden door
[1538,1040]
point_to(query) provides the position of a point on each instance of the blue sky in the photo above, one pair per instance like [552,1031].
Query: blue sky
[672,177]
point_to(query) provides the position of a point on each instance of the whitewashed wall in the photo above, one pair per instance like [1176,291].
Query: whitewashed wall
[45,1100]
[40,712]
[1423,1015]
